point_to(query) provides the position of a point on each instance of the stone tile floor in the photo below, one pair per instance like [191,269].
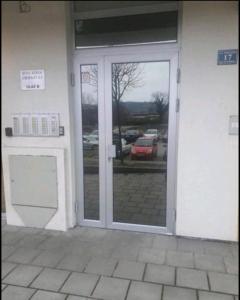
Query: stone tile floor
[91,263]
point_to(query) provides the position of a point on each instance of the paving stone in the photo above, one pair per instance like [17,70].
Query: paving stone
[50,279]
[22,275]
[31,241]
[73,262]
[232,265]
[111,288]
[236,297]
[101,266]
[92,234]
[55,242]
[180,259]
[192,278]
[77,247]
[165,242]
[235,249]
[77,298]
[6,268]
[31,230]
[126,252]
[48,258]
[24,255]
[101,250]
[3,286]
[152,255]
[11,238]
[50,232]
[190,245]
[7,251]
[44,295]
[175,293]
[80,284]
[218,248]
[213,296]
[129,270]
[209,262]
[146,240]
[11,228]
[224,283]
[17,293]
[143,291]
[160,274]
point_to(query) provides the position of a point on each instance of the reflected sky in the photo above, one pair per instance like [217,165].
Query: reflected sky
[154,78]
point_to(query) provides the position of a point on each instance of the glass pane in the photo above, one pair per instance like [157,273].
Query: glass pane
[89,96]
[132,29]
[140,132]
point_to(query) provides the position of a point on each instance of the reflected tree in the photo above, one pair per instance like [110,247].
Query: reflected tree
[125,76]
[161,102]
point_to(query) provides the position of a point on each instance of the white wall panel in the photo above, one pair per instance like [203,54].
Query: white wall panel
[207,185]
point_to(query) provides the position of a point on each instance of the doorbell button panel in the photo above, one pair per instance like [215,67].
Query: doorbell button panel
[37,124]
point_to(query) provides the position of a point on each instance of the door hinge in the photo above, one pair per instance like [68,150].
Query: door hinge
[72,79]
[178,75]
[177,105]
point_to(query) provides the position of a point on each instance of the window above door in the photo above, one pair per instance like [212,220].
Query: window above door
[146,22]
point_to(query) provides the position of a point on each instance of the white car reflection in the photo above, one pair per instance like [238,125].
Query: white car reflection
[126,148]
[90,142]
[152,133]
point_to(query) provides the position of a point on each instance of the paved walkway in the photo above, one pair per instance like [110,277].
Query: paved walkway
[90,263]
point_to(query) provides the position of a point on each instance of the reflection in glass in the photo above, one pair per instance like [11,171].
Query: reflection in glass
[89,96]
[140,95]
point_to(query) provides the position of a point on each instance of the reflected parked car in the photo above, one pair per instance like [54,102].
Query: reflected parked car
[94,133]
[93,139]
[90,142]
[153,133]
[132,135]
[126,148]
[145,148]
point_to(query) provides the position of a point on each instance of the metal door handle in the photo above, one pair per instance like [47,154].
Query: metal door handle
[111,151]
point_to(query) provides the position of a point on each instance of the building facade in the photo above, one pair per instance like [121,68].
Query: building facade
[121,114]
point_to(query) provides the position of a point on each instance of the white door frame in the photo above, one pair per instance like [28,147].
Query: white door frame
[104,57]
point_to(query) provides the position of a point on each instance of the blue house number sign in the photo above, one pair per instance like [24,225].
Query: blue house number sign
[227,57]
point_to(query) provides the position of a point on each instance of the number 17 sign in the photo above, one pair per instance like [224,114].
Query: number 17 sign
[227,57]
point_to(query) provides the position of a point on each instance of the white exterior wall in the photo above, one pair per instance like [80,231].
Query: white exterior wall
[38,40]
[207,179]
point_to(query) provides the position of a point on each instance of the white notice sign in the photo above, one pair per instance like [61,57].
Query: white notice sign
[32,80]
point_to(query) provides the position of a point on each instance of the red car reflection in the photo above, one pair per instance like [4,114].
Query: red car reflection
[145,148]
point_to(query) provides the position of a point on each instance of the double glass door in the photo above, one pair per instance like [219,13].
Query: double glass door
[125,136]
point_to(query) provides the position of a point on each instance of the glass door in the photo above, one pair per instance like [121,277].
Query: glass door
[141,101]
[125,115]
